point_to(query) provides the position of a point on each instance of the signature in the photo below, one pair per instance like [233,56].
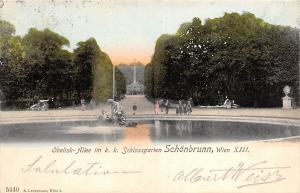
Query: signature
[256,174]
[39,165]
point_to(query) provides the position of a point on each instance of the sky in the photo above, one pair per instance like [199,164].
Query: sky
[128,29]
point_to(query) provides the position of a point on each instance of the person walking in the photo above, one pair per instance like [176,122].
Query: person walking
[161,105]
[82,104]
[184,108]
[180,107]
[134,108]
[167,104]
[189,107]
[156,107]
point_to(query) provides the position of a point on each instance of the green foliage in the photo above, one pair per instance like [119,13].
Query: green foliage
[159,69]
[120,83]
[47,65]
[149,80]
[37,67]
[6,29]
[239,56]
[12,56]
[85,59]
[94,73]
[103,78]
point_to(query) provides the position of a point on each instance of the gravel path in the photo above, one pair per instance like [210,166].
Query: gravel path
[145,107]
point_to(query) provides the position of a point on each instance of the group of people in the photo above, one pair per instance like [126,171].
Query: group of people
[183,107]
[161,106]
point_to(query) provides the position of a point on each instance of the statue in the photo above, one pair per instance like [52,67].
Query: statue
[286,90]
[117,113]
[286,100]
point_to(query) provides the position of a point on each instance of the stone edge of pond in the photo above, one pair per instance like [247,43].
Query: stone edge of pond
[139,118]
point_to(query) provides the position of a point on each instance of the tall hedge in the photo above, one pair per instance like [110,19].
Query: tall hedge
[239,56]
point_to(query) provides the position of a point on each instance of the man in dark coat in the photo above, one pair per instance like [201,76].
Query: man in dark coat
[134,108]
[167,105]
[180,107]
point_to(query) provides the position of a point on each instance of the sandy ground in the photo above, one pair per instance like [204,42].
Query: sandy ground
[144,108]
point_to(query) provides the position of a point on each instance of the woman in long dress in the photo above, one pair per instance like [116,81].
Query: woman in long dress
[189,108]
[156,107]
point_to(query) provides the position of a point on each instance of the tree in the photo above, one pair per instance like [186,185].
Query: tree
[84,60]
[94,72]
[120,83]
[6,29]
[102,88]
[47,65]
[37,67]
[239,56]
[11,64]
[149,80]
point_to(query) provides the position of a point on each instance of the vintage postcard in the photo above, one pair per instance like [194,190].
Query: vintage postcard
[146,96]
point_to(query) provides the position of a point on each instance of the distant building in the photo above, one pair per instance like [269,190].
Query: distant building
[135,87]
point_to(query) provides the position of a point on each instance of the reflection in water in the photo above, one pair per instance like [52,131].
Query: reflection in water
[85,131]
[144,133]
[184,128]
[167,130]
[157,128]
[139,134]
[208,131]
[107,133]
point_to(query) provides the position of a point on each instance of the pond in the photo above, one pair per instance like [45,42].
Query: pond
[150,131]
